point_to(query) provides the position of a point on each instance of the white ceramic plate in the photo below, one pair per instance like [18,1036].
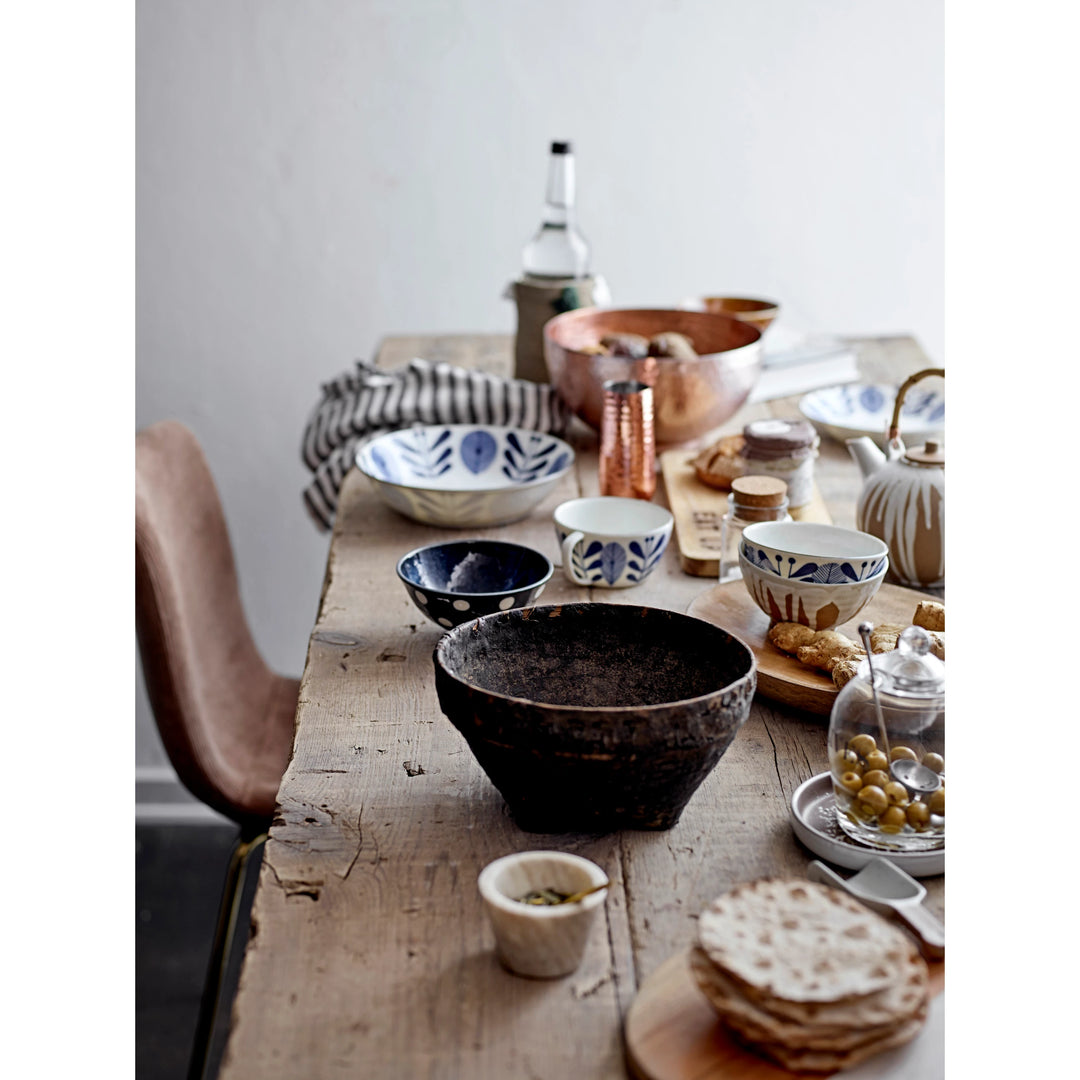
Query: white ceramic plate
[813,817]
[846,412]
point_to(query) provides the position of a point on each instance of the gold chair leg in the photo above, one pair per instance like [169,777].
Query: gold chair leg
[228,911]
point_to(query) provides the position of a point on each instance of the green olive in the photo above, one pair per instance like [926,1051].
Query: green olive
[935,762]
[893,819]
[848,761]
[905,753]
[873,799]
[937,802]
[862,744]
[897,793]
[851,782]
[876,759]
[875,778]
[918,815]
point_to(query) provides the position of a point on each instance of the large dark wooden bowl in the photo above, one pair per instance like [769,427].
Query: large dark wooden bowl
[690,397]
[590,717]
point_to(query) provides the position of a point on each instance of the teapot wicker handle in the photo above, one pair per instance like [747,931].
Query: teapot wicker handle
[894,427]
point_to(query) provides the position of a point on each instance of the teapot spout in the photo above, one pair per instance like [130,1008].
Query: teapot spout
[867,456]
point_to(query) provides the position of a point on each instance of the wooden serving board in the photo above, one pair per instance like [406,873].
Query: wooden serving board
[698,508]
[672,1031]
[781,677]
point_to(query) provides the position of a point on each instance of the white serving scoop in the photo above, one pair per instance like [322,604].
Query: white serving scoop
[888,890]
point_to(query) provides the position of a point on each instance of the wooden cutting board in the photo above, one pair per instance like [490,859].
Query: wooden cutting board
[781,677]
[672,1031]
[698,508]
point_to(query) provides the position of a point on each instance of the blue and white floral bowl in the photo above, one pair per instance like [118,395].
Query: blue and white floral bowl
[821,554]
[610,542]
[847,412]
[464,475]
[459,580]
[817,575]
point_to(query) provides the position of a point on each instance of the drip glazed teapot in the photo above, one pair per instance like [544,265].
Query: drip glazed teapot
[903,499]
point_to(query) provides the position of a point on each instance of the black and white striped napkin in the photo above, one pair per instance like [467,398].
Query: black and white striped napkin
[360,404]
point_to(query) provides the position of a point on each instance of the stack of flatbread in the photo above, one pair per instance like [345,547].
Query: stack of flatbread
[807,976]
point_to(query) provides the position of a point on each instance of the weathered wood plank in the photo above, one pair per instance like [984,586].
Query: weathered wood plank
[370,953]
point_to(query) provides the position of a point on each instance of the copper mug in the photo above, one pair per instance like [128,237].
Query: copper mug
[627,440]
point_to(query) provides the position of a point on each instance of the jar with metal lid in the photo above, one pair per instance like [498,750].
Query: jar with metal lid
[887,747]
[785,449]
[752,498]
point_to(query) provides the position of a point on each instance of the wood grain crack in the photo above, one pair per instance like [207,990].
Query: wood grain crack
[359,845]
[776,756]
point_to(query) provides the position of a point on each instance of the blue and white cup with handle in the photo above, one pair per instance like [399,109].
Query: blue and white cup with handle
[611,542]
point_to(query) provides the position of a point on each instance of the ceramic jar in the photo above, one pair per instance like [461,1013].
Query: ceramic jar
[903,503]
[903,499]
[784,449]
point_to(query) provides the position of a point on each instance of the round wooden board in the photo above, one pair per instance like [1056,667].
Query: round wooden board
[781,677]
[672,1031]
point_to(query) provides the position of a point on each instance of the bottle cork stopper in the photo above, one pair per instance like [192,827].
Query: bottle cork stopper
[762,491]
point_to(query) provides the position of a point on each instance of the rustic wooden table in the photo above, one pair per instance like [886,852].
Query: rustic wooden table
[370,954]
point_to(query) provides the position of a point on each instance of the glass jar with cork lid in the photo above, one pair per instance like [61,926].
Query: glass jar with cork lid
[752,498]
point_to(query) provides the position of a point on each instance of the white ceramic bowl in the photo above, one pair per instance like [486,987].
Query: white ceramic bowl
[847,412]
[464,475]
[608,541]
[795,600]
[543,942]
[818,554]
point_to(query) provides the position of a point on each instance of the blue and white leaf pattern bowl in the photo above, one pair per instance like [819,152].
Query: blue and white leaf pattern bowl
[617,563]
[609,541]
[818,575]
[464,475]
[857,409]
[823,573]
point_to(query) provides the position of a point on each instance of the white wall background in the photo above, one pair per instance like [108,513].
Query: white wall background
[312,176]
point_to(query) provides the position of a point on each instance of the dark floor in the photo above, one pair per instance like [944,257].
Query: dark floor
[179,874]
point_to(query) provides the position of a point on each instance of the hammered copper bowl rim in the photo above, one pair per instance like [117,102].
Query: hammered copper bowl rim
[554,326]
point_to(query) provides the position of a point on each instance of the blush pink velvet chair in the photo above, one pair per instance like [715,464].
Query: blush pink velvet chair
[226,720]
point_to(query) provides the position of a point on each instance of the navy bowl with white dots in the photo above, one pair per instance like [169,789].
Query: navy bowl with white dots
[460,580]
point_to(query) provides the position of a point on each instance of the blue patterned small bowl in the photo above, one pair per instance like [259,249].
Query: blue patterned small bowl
[818,575]
[460,580]
[818,554]
[464,475]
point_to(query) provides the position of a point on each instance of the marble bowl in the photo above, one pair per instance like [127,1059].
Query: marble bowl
[459,580]
[464,475]
[541,942]
[690,397]
[589,717]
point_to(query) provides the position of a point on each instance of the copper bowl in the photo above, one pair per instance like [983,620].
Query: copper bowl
[760,313]
[691,397]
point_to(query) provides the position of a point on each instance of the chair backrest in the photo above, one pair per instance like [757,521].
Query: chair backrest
[207,683]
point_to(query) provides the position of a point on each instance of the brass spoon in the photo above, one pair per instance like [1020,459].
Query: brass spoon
[573,898]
